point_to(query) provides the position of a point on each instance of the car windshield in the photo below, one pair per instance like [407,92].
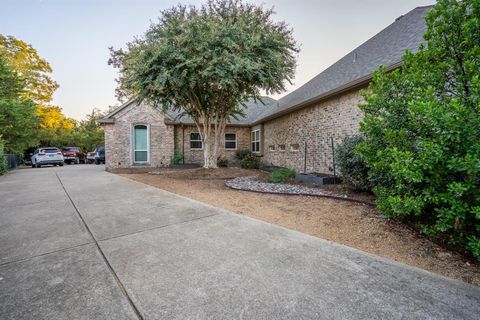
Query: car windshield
[51,150]
[70,149]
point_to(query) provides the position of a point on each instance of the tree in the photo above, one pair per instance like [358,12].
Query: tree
[88,134]
[24,59]
[422,129]
[207,62]
[39,88]
[54,126]
[17,115]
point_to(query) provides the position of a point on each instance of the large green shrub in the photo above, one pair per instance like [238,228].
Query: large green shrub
[251,162]
[422,129]
[281,175]
[3,159]
[353,168]
[241,154]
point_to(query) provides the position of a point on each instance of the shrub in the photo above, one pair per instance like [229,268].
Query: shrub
[251,162]
[3,159]
[353,168]
[421,130]
[281,175]
[176,158]
[241,154]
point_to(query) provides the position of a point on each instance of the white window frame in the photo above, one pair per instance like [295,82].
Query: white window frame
[254,141]
[190,141]
[225,139]
[134,161]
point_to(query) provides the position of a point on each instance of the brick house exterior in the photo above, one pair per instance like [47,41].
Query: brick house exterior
[183,143]
[305,135]
[295,131]
[118,137]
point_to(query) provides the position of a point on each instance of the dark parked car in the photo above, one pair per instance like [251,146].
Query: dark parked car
[100,155]
[73,155]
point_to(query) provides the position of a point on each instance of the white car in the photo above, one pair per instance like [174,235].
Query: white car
[48,155]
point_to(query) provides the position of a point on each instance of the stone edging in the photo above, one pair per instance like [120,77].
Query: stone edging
[249,184]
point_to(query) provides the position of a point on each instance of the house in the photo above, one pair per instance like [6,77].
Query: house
[297,131]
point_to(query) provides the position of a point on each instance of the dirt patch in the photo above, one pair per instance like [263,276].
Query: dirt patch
[213,174]
[355,225]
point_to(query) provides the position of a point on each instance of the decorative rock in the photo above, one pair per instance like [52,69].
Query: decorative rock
[250,184]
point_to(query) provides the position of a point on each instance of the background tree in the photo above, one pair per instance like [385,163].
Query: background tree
[422,129]
[39,88]
[24,59]
[18,117]
[88,134]
[207,62]
[54,126]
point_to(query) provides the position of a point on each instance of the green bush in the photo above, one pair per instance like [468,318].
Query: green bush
[281,175]
[251,162]
[3,159]
[241,154]
[353,168]
[176,158]
[421,130]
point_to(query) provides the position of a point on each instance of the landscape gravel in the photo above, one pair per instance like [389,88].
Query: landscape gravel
[251,184]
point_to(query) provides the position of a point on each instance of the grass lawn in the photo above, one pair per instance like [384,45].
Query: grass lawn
[352,224]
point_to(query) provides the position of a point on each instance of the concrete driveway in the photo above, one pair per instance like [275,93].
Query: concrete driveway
[80,243]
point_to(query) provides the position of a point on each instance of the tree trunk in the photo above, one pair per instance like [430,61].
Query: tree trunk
[209,153]
[211,135]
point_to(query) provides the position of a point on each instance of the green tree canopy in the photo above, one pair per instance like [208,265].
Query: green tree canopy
[207,62]
[24,59]
[88,134]
[38,88]
[18,117]
[422,129]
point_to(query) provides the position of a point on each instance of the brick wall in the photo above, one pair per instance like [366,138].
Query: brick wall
[195,155]
[314,126]
[118,137]
[309,129]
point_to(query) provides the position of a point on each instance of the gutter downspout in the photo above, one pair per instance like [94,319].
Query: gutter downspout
[305,159]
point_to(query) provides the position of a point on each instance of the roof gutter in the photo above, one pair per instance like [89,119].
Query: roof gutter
[360,82]
[106,120]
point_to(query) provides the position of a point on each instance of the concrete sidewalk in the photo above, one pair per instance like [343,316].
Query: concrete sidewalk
[79,243]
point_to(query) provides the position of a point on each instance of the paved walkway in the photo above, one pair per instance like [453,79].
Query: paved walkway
[79,243]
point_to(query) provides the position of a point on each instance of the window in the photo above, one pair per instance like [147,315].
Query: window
[294,147]
[256,141]
[230,141]
[195,140]
[281,147]
[140,143]
[271,147]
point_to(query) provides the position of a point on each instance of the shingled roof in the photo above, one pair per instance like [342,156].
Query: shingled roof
[385,48]
[355,69]
[252,112]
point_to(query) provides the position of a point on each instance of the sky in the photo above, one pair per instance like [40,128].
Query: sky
[74,36]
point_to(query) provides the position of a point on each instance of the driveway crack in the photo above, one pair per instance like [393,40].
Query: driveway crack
[102,254]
